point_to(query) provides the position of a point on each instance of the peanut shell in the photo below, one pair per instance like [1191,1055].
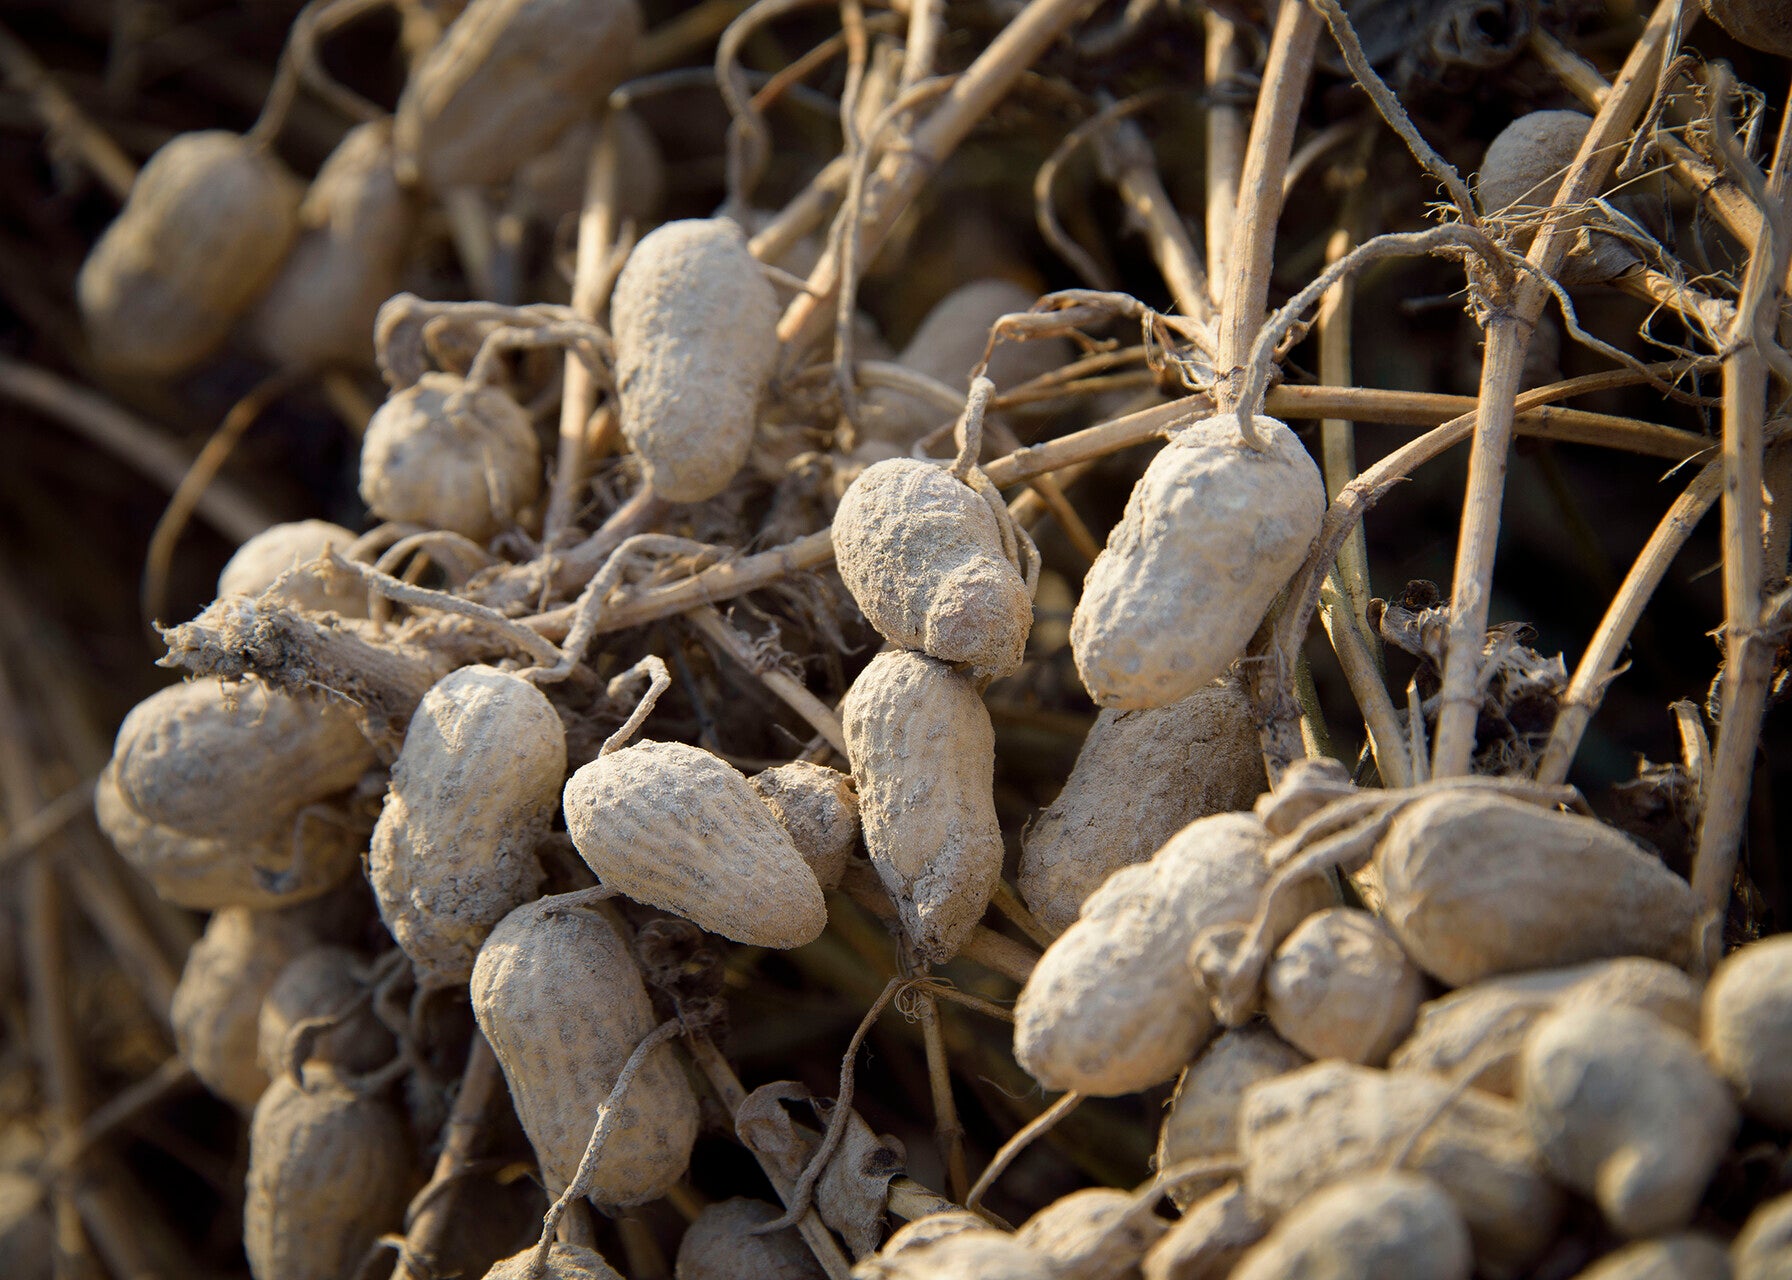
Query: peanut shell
[1687,1256]
[967,1255]
[562,1003]
[329,1172]
[1212,1235]
[1760,24]
[207,225]
[1334,1120]
[720,1245]
[1522,171]
[1203,1119]
[819,811]
[356,225]
[323,982]
[1626,1111]
[1112,1007]
[504,80]
[451,456]
[679,828]
[1479,884]
[565,1262]
[695,324]
[1140,777]
[1762,1250]
[472,794]
[1212,532]
[1379,1226]
[1093,1234]
[216,1012]
[922,554]
[1341,987]
[923,755]
[283,547]
[1747,1027]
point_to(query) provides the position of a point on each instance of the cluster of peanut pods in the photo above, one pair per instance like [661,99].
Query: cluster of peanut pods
[1458,1028]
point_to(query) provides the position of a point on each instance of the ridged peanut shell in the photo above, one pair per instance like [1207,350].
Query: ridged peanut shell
[1211,1236]
[1626,1111]
[329,1172]
[921,553]
[1477,884]
[234,761]
[1334,1120]
[356,225]
[923,755]
[472,794]
[1211,533]
[679,828]
[819,811]
[1380,1226]
[1747,1029]
[205,228]
[1685,1256]
[720,1245]
[968,1255]
[565,1262]
[504,80]
[1203,1120]
[695,325]
[1092,1234]
[561,1002]
[451,456]
[216,1012]
[255,565]
[323,982]
[1140,777]
[1341,987]
[1113,1007]
[306,858]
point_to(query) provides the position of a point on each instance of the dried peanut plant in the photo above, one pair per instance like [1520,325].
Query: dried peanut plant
[796,687]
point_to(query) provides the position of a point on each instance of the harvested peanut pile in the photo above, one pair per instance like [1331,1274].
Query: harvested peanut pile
[756,640]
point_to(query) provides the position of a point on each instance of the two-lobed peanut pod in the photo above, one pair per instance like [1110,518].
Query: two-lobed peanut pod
[473,792]
[922,553]
[330,1171]
[819,811]
[449,455]
[505,79]
[562,1003]
[678,827]
[207,225]
[324,982]
[695,325]
[923,755]
[1211,533]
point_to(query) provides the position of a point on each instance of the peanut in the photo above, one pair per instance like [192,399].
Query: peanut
[217,1005]
[1747,1027]
[1212,1235]
[1378,1226]
[819,811]
[1341,987]
[1098,1233]
[1687,1256]
[283,547]
[721,1245]
[1203,1119]
[323,982]
[564,1262]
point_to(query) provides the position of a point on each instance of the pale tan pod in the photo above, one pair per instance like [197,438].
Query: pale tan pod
[1626,1111]
[329,1172]
[966,1255]
[819,811]
[356,226]
[1203,1119]
[504,80]
[472,794]
[1211,533]
[307,858]
[207,224]
[1760,24]
[1140,777]
[451,456]
[695,324]
[1113,1007]
[1747,1031]
[1212,1235]
[1096,1233]
[1333,1120]
[1521,173]
[323,982]
[679,828]
[1341,987]
[921,552]
[565,1262]
[933,1226]
[1687,1256]
[562,1003]
[1377,1226]
[283,547]
[1762,1250]
[720,1245]
[216,1012]
[1481,1028]
[234,760]
[923,755]
[1481,884]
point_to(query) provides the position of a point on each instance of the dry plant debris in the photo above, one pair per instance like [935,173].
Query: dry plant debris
[945,421]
